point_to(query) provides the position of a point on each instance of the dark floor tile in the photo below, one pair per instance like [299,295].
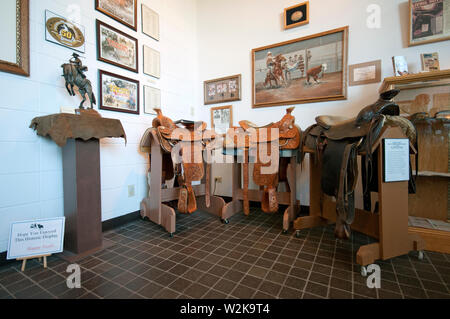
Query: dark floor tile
[270,288]
[213,294]
[196,290]
[434,286]
[387,294]
[339,294]
[251,281]
[412,292]
[165,279]
[234,275]
[180,284]
[208,280]
[225,286]
[364,291]
[150,290]
[319,278]
[28,292]
[243,292]
[276,277]
[136,284]
[106,289]
[290,293]
[316,289]
[166,294]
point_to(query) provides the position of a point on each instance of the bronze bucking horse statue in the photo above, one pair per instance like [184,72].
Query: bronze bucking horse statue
[73,73]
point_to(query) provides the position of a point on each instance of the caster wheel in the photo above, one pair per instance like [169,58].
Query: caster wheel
[297,234]
[420,256]
[225,221]
[363,271]
[284,232]
[171,235]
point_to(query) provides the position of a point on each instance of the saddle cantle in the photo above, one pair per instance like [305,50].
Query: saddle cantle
[183,143]
[262,145]
[337,142]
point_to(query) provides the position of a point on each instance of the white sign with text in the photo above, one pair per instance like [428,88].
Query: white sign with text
[36,238]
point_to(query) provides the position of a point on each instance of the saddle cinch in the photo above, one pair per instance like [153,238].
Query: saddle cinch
[261,145]
[337,142]
[184,146]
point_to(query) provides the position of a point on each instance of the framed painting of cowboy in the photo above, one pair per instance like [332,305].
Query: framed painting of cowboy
[304,70]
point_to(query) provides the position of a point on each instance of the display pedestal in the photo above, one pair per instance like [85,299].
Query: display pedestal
[82,198]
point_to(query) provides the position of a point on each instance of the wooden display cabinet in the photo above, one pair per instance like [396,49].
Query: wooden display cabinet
[425,99]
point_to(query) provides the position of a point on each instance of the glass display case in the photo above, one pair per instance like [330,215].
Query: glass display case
[425,100]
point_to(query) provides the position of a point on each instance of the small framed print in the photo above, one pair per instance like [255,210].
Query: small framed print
[63,32]
[150,22]
[428,21]
[296,16]
[365,73]
[152,99]
[222,90]
[116,47]
[152,62]
[118,93]
[124,11]
[222,118]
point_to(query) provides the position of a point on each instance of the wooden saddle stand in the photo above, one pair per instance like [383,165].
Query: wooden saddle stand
[334,145]
[251,144]
[166,141]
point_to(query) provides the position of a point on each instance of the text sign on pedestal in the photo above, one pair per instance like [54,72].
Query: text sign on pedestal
[396,160]
[36,238]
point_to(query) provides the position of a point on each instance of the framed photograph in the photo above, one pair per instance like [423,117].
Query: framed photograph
[150,22]
[116,48]
[152,99]
[118,93]
[222,90]
[365,73]
[304,70]
[15,37]
[400,65]
[124,11]
[63,32]
[428,21]
[430,62]
[152,62]
[222,118]
[296,16]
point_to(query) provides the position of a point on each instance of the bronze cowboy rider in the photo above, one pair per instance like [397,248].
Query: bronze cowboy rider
[75,60]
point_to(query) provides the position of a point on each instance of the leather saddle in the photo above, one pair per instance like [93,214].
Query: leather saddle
[183,143]
[337,142]
[261,146]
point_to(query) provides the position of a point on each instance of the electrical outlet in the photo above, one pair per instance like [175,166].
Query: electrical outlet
[218,179]
[131,191]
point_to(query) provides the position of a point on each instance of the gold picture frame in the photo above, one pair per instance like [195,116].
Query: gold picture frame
[423,28]
[364,73]
[219,111]
[296,15]
[21,65]
[222,90]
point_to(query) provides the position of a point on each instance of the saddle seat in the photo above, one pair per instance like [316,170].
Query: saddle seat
[251,138]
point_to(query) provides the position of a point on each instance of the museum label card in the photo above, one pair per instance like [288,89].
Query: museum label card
[396,160]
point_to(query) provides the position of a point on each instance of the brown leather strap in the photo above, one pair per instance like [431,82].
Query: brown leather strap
[245,190]
[208,186]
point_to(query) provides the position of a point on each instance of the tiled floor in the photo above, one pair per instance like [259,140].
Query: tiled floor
[248,258]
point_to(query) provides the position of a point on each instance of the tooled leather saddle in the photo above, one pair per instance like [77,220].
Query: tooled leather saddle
[337,142]
[261,146]
[183,143]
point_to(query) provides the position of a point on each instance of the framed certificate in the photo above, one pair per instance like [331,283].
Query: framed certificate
[152,63]
[365,73]
[152,99]
[150,22]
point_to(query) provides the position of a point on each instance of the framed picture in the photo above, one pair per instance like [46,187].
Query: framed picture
[430,62]
[428,20]
[296,16]
[365,73]
[150,22]
[222,90]
[116,47]
[124,11]
[152,99]
[118,93]
[63,32]
[222,118]
[152,62]
[400,65]
[15,37]
[304,70]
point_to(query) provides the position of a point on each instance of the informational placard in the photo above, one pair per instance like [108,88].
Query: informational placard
[396,160]
[36,238]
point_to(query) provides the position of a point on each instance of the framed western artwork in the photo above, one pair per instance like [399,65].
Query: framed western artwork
[15,37]
[222,90]
[297,15]
[150,22]
[304,70]
[152,99]
[118,93]
[63,32]
[222,118]
[124,11]
[116,47]
[364,73]
[428,21]
[152,62]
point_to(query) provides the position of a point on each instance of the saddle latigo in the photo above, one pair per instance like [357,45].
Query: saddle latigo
[282,135]
[186,144]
